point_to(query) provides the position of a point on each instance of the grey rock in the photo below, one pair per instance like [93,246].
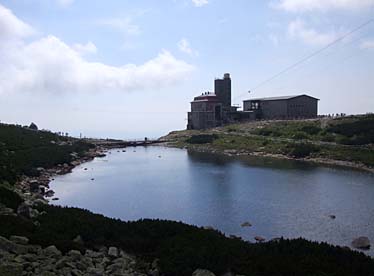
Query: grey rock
[202,272]
[75,255]
[9,246]
[78,239]
[19,240]
[49,193]
[76,272]
[24,210]
[4,211]
[48,273]
[361,243]
[92,271]
[154,272]
[114,268]
[113,251]
[93,254]
[61,263]
[51,251]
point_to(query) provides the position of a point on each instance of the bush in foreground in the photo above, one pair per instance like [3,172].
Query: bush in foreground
[182,248]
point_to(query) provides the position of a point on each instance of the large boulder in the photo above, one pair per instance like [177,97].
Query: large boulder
[51,251]
[9,246]
[19,240]
[361,243]
[202,272]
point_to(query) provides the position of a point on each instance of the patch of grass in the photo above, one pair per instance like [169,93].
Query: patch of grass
[202,139]
[301,150]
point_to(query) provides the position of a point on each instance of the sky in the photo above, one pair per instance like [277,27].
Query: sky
[129,69]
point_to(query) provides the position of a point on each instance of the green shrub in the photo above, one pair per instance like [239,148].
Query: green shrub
[202,139]
[300,136]
[311,129]
[9,198]
[23,150]
[301,150]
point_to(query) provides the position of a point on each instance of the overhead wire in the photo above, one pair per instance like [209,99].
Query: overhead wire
[308,57]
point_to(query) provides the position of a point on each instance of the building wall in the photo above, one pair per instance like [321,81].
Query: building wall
[204,115]
[298,107]
[274,109]
[302,107]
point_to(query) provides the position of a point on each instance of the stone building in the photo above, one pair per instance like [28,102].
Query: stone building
[206,112]
[287,107]
[214,109]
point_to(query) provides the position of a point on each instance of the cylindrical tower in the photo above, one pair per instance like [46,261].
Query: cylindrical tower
[222,88]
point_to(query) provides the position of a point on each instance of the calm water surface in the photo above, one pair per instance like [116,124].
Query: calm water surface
[279,198]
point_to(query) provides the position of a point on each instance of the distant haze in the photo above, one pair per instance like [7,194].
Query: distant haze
[128,69]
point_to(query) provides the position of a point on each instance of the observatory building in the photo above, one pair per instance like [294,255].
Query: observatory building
[212,109]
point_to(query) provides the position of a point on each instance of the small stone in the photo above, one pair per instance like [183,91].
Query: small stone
[19,240]
[202,272]
[78,239]
[113,251]
[332,216]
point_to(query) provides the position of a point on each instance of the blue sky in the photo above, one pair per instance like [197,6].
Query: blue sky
[129,69]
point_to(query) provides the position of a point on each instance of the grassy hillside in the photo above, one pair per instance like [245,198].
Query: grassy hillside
[344,139]
[23,150]
[181,248]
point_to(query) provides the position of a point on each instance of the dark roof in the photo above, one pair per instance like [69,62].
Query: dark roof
[279,98]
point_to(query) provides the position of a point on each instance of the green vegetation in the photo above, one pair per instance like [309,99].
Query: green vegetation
[22,150]
[345,139]
[182,248]
[9,198]
[202,139]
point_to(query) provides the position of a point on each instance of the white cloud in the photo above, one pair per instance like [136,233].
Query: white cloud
[48,65]
[124,25]
[184,46]
[200,3]
[367,44]
[322,5]
[11,28]
[297,29]
[88,48]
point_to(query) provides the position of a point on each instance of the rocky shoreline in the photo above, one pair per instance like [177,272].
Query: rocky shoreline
[19,258]
[36,189]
